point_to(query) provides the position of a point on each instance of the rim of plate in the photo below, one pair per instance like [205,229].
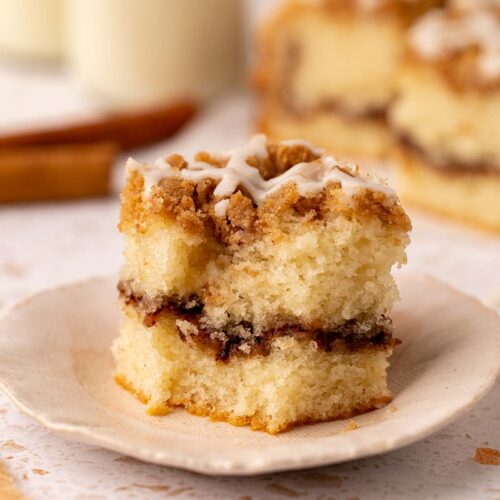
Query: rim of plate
[251,463]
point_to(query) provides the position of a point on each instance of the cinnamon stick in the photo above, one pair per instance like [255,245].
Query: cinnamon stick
[128,130]
[55,172]
[74,160]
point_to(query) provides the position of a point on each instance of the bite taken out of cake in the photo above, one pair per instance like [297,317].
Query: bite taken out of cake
[257,285]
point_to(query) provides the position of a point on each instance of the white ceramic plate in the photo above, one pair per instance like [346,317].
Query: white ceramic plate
[56,365]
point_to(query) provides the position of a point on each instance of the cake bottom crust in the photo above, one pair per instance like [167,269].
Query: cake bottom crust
[255,422]
[296,383]
[362,138]
[463,195]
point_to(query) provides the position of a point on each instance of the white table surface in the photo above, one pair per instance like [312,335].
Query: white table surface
[47,244]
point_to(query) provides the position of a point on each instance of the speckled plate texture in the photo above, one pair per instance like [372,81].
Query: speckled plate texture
[55,363]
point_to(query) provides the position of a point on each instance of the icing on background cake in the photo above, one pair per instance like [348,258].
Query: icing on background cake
[441,34]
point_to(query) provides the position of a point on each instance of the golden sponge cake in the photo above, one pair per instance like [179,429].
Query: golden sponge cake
[446,117]
[257,285]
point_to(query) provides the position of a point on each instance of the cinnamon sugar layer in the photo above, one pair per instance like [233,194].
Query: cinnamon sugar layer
[241,338]
[448,165]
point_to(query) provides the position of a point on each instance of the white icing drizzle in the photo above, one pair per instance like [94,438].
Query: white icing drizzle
[309,177]
[220,208]
[438,34]
[152,174]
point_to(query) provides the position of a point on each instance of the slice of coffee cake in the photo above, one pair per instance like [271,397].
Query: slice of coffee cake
[256,285]
[446,117]
[327,71]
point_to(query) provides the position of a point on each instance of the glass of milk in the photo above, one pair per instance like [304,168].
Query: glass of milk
[143,52]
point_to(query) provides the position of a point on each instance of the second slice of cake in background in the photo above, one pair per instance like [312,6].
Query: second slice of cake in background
[257,285]
[446,117]
[327,71]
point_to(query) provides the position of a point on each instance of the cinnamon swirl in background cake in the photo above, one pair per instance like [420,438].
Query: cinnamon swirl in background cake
[257,285]
[328,69]
[446,117]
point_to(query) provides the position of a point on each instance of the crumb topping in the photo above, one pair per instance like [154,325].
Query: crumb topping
[487,456]
[238,196]
[471,37]
[238,169]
